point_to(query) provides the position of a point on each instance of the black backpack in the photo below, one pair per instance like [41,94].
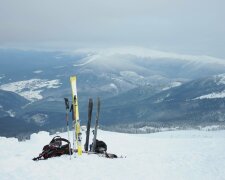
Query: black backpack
[100,147]
[55,148]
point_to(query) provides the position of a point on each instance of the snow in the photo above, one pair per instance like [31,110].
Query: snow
[147,129]
[190,155]
[38,71]
[131,75]
[85,63]
[11,113]
[210,128]
[40,119]
[122,84]
[112,88]
[162,98]
[31,89]
[32,95]
[2,76]
[98,53]
[213,95]
[172,85]
[220,79]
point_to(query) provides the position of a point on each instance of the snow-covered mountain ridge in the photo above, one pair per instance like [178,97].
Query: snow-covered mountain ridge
[138,87]
[178,106]
[219,80]
[98,53]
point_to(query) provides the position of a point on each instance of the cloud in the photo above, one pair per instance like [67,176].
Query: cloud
[98,54]
[180,25]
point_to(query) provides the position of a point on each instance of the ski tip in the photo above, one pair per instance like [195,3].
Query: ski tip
[72,78]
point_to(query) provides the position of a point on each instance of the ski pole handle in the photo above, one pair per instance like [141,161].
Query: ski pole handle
[67,103]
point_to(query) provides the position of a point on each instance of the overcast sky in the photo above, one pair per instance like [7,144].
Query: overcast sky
[190,26]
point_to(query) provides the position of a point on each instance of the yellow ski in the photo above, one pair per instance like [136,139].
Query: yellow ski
[76,121]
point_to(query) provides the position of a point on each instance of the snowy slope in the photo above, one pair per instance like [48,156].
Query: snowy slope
[31,89]
[173,155]
[95,54]
[212,95]
[219,80]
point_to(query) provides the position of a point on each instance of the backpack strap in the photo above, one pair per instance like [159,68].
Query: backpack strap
[57,142]
[54,139]
[40,155]
[65,140]
[58,138]
[51,146]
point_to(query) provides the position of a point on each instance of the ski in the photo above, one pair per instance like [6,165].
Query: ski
[96,126]
[90,107]
[76,121]
[105,154]
[67,121]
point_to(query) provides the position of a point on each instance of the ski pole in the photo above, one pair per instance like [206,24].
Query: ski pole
[67,122]
[74,136]
[96,125]
[90,107]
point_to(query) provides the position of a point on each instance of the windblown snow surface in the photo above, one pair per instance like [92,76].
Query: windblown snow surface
[175,155]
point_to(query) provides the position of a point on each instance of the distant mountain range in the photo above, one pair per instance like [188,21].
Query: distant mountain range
[195,103]
[11,103]
[138,88]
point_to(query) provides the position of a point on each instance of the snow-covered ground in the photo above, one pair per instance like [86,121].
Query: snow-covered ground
[213,95]
[37,71]
[192,155]
[173,84]
[11,113]
[31,89]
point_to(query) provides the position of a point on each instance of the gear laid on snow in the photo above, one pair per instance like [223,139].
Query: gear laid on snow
[100,147]
[55,148]
[97,147]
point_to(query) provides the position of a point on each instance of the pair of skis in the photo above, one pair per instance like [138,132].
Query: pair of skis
[93,147]
[77,146]
[75,116]
[90,108]
[76,121]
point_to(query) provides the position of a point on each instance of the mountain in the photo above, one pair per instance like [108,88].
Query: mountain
[11,103]
[137,87]
[195,103]
[105,72]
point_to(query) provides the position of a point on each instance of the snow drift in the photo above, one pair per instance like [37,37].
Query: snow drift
[166,155]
